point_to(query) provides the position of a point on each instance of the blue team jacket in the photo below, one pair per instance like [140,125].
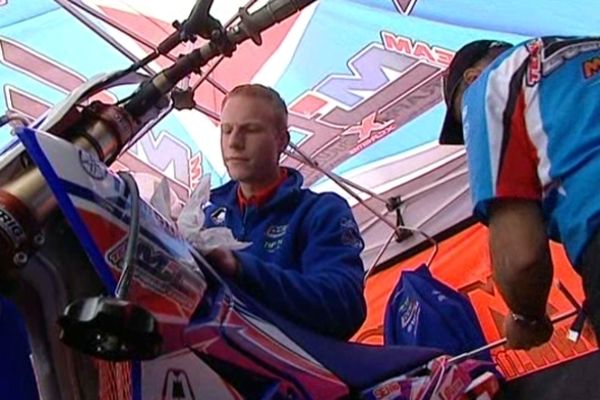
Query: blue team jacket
[304,261]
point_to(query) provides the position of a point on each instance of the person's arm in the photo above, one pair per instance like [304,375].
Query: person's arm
[522,269]
[327,295]
[503,150]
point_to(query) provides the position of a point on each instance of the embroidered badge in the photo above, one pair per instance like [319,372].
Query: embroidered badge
[350,235]
[218,216]
[276,231]
[274,237]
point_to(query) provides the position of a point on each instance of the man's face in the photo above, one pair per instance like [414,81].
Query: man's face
[457,101]
[251,141]
[469,76]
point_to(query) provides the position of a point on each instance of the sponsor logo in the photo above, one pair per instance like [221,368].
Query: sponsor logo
[388,390]
[218,216]
[409,315]
[276,231]
[93,167]
[177,386]
[350,233]
[272,246]
[558,51]
[12,227]
[387,84]
[405,7]
[534,67]
[157,271]
[274,237]
[548,55]
[591,67]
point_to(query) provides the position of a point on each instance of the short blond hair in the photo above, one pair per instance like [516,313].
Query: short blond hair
[256,90]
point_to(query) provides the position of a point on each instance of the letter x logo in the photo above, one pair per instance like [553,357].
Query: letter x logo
[367,127]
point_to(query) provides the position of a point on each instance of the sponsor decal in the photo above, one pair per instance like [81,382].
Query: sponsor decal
[591,67]
[12,227]
[276,231]
[350,233]
[157,271]
[556,51]
[388,83]
[177,386]
[409,315]
[534,67]
[274,237]
[218,216]
[405,7]
[93,167]
[388,390]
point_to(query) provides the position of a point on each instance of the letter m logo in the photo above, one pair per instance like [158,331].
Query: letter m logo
[591,67]
[371,69]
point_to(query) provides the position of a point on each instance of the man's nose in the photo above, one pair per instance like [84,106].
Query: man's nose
[236,139]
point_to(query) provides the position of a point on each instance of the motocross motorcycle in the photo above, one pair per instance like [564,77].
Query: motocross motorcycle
[102,275]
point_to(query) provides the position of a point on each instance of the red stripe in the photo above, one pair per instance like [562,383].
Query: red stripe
[16,55]
[251,57]
[25,103]
[518,177]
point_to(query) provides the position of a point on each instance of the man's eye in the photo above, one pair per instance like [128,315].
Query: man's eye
[252,128]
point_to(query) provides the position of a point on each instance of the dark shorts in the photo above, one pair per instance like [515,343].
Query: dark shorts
[589,267]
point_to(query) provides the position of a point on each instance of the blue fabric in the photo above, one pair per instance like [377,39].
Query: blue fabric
[422,311]
[358,365]
[17,380]
[553,85]
[304,261]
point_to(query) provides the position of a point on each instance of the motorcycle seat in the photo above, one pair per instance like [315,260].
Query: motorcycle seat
[358,365]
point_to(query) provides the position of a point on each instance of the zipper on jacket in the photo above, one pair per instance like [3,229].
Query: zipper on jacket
[244,222]
[248,217]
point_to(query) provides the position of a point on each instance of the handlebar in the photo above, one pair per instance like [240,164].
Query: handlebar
[250,27]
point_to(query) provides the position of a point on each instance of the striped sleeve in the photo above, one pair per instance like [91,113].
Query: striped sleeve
[503,160]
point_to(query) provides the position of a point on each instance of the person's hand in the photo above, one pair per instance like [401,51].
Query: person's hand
[224,261]
[524,334]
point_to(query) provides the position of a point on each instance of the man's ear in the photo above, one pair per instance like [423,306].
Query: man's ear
[284,140]
[471,74]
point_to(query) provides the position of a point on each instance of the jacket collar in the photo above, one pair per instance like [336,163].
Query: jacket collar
[227,193]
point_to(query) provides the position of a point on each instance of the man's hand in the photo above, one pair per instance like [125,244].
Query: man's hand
[522,269]
[224,261]
[524,335]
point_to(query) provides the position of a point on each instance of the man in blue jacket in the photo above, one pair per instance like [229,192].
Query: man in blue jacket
[304,261]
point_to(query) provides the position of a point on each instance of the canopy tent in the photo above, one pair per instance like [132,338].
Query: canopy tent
[362,81]
[361,78]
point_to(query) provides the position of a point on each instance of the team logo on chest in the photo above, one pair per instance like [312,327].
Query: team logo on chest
[274,237]
[218,216]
